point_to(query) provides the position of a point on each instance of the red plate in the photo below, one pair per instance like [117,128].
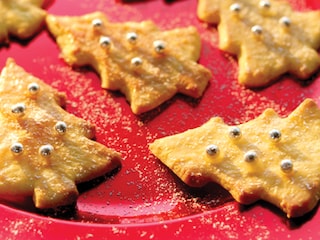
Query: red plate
[144,199]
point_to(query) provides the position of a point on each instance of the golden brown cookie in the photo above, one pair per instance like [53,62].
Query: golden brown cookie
[147,65]
[20,18]
[268,37]
[44,151]
[271,158]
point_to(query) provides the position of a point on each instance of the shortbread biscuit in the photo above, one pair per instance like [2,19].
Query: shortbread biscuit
[271,158]
[44,151]
[147,65]
[20,18]
[268,37]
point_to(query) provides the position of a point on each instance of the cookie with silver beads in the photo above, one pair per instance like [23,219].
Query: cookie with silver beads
[265,37]
[45,150]
[134,57]
[259,159]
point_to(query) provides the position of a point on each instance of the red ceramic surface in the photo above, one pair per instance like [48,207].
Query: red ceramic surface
[144,199]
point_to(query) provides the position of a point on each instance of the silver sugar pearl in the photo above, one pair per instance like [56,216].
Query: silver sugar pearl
[105,42]
[46,150]
[275,135]
[212,150]
[159,46]
[16,148]
[136,61]
[250,156]
[96,23]
[61,127]
[235,7]
[265,4]
[256,29]
[132,37]
[286,165]
[18,109]
[285,21]
[235,132]
[33,88]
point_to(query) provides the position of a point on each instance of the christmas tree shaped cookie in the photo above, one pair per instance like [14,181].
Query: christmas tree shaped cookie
[147,65]
[271,158]
[20,18]
[268,37]
[44,150]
